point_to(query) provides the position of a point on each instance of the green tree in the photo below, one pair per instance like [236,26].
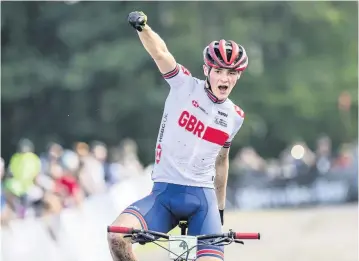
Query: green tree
[79,72]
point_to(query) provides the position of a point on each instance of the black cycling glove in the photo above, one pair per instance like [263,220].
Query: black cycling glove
[137,20]
[221,214]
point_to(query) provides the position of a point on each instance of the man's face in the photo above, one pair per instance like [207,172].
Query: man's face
[55,151]
[100,153]
[222,81]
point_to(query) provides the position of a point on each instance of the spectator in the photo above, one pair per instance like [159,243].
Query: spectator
[66,186]
[116,169]
[323,154]
[91,172]
[99,152]
[273,168]
[71,161]
[345,158]
[6,213]
[53,154]
[82,149]
[248,160]
[129,158]
[24,167]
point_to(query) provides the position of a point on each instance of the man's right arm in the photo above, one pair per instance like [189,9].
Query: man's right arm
[176,75]
[157,48]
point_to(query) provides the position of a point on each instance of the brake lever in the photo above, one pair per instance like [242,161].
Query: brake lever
[147,236]
[141,238]
[231,235]
[238,241]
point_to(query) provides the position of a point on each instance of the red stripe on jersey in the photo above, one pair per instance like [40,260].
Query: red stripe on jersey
[227,144]
[212,96]
[172,73]
[215,136]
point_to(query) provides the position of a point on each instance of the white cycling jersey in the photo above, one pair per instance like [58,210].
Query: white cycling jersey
[193,129]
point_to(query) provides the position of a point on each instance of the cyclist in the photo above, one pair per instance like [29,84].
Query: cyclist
[191,162]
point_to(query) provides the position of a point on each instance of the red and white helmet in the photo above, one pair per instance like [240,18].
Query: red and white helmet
[225,54]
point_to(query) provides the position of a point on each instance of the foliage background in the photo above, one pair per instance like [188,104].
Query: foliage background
[79,72]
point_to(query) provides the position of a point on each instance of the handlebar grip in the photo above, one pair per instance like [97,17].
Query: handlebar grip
[239,235]
[122,230]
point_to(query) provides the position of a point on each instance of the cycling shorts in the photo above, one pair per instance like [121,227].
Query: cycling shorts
[168,203]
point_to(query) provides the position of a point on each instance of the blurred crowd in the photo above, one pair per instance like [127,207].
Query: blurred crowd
[43,185]
[298,159]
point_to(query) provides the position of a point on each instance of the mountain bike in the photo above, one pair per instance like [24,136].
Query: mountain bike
[182,247]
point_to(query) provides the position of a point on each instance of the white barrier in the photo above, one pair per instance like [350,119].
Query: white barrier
[28,240]
[81,232]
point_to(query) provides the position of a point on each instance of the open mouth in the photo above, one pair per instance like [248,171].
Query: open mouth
[222,87]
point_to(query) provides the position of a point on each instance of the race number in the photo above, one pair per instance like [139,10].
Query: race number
[179,245]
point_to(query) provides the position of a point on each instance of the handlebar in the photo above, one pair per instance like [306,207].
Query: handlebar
[234,235]
[121,230]
[239,235]
[128,230]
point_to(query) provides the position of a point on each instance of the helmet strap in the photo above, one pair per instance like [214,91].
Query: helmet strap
[207,78]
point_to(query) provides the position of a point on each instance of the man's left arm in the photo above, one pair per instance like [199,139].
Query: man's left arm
[220,182]
[222,164]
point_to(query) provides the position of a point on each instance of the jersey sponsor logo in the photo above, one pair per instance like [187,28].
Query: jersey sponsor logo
[185,70]
[134,207]
[239,111]
[163,126]
[197,128]
[220,122]
[196,104]
[158,153]
[223,114]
